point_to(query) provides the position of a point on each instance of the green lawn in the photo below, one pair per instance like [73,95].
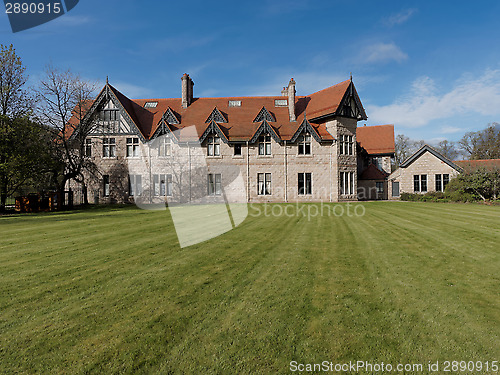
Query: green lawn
[110,291]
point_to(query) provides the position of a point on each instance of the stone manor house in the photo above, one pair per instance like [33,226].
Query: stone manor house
[279,148]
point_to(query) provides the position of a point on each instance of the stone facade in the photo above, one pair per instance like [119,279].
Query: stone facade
[425,162]
[127,142]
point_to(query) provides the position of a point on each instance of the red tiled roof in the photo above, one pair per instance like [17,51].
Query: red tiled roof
[377,139]
[240,125]
[373,173]
[479,164]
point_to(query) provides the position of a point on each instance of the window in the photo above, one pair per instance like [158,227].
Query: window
[150,104]
[132,147]
[423,183]
[134,185]
[88,147]
[420,183]
[346,183]
[281,103]
[214,184]
[213,146]
[305,144]
[395,188]
[109,115]
[108,147]
[162,185]
[264,183]
[377,161]
[237,149]
[265,144]
[442,181]
[416,183]
[165,147]
[234,103]
[380,187]
[105,183]
[346,145]
[305,183]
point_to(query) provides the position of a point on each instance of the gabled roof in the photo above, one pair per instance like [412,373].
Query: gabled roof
[376,140]
[373,173]
[489,164]
[427,148]
[236,122]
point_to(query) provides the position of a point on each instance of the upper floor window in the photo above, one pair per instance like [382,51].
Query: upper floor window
[265,144]
[109,115]
[165,146]
[88,147]
[108,147]
[305,144]
[237,149]
[346,145]
[213,146]
[132,147]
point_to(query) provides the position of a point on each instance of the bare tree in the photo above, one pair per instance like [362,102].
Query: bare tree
[447,149]
[483,144]
[64,100]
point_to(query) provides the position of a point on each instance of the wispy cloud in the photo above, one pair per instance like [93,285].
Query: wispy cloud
[425,102]
[130,90]
[399,18]
[383,53]
[70,20]
[451,129]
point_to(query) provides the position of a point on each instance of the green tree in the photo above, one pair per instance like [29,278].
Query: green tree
[15,100]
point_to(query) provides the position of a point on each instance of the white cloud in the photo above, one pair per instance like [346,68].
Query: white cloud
[425,102]
[383,53]
[399,18]
[130,90]
[450,129]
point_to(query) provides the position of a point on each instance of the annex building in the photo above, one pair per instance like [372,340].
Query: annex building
[280,148]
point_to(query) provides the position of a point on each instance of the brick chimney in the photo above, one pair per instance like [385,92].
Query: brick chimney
[187,90]
[291,100]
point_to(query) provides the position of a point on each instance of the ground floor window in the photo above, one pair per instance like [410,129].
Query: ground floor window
[214,184]
[380,187]
[264,183]
[420,183]
[134,185]
[346,183]
[395,188]
[305,183]
[162,185]
[105,182]
[441,181]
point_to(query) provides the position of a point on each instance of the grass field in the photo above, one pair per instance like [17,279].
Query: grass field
[109,290]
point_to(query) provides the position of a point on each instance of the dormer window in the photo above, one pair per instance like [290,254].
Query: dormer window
[265,144]
[281,103]
[165,147]
[213,146]
[305,144]
[150,104]
[234,103]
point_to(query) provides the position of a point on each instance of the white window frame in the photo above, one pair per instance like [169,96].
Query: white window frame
[213,145]
[303,190]
[108,147]
[134,185]
[265,145]
[105,183]
[162,185]
[263,183]
[304,146]
[133,147]
[214,184]
[346,183]
[165,147]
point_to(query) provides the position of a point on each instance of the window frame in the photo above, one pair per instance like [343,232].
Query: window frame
[264,145]
[134,185]
[165,147]
[264,183]
[109,147]
[132,147]
[238,146]
[87,151]
[213,145]
[304,144]
[106,185]
[304,188]
[214,184]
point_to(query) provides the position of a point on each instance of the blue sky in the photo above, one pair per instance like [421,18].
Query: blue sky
[430,68]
